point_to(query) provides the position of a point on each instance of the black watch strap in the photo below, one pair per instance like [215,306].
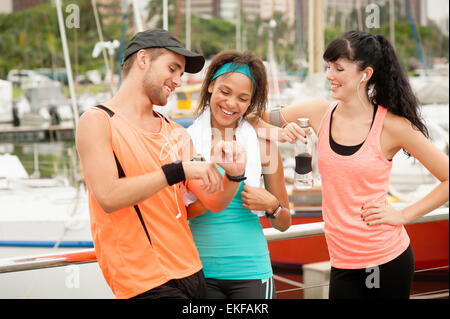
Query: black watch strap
[275,213]
[238,178]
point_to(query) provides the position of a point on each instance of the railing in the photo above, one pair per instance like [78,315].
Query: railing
[88,255]
[315,229]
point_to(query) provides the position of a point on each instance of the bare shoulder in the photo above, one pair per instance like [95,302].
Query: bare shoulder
[92,123]
[91,119]
[397,126]
[399,132]
[91,114]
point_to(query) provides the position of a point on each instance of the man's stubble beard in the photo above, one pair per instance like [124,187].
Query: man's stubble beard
[154,91]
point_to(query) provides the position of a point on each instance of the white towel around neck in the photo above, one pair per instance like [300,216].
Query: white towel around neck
[201,133]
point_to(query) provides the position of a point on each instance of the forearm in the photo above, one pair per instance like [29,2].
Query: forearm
[217,201]
[195,209]
[430,202]
[283,221]
[129,191]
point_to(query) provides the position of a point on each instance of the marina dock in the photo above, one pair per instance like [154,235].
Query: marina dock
[36,133]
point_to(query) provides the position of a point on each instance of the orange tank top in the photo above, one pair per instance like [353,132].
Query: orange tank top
[349,182]
[131,261]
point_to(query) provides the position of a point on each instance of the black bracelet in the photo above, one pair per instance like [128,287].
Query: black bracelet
[174,172]
[275,213]
[239,178]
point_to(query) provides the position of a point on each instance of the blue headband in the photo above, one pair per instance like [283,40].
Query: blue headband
[235,67]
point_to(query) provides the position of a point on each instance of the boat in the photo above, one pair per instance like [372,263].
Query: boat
[6,101]
[44,216]
[44,105]
[41,212]
[182,104]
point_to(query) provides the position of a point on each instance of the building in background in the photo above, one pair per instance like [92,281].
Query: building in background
[251,9]
[109,8]
[21,5]
[205,8]
[7,6]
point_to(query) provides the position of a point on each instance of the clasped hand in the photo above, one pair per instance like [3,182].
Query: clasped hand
[292,132]
[231,156]
[257,198]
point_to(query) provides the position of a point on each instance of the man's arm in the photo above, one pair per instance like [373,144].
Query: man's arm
[110,191]
[97,159]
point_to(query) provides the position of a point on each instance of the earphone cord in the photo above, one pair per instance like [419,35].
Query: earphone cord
[359,96]
[173,157]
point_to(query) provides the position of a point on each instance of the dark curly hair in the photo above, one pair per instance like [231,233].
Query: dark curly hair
[389,85]
[259,99]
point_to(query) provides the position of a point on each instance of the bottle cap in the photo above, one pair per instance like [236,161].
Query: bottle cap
[303,122]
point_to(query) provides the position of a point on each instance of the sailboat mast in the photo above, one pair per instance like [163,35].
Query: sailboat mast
[137,16]
[100,36]
[62,31]
[188,24]
[300,27]
[416,37]
[238,25]
[165,15]
[315,36]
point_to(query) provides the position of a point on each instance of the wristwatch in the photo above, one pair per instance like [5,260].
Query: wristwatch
[275,213]
[238,178]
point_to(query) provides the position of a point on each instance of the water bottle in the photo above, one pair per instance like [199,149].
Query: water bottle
[303,178]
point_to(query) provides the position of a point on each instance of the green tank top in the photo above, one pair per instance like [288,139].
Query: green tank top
[231,243]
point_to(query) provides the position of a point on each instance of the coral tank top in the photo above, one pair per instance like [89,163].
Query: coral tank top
[349,182]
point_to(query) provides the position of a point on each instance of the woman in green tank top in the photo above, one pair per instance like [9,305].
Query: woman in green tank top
[231,243]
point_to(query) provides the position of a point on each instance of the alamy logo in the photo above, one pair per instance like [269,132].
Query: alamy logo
[373,17]
[73,277]
[373,279]
[73,19]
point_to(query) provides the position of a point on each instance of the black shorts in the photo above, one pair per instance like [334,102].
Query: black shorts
[391,280]
[192,287]
[240,289]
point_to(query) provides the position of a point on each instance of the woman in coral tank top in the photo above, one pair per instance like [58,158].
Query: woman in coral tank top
[375,115]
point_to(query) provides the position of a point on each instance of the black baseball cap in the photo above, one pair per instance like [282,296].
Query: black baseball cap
[159,38]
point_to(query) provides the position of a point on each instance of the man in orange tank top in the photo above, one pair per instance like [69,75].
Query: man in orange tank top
[137,165]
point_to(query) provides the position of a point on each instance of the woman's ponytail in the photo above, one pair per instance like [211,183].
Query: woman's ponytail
[391,88]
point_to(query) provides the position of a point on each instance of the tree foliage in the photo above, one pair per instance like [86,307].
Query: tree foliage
[31,39]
